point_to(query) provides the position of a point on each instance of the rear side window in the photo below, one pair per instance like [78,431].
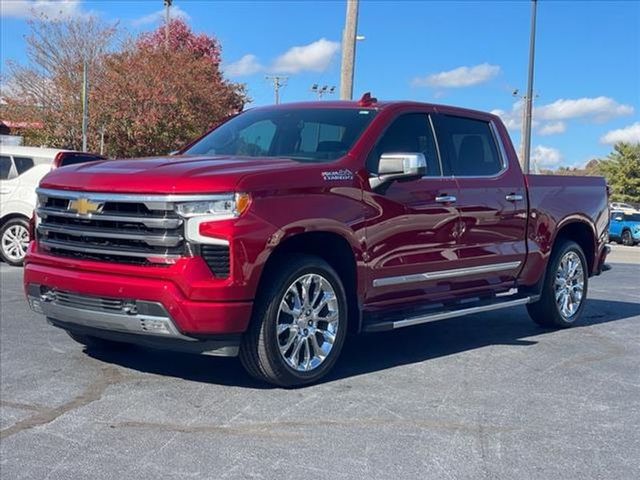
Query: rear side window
[75,158]
[23,164]
[468,146]
[409,133]
[5,167]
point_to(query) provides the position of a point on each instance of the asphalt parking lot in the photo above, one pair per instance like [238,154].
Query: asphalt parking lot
[488,396]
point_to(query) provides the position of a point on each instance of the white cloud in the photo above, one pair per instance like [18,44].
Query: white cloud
[542,156]
[629,134]
[552,128]
[48,8]
[598,109]
[247,65]
[158,16]
[314,57]
[459,77]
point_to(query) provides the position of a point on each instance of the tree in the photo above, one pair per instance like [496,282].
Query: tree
[155,99]
[148,97]
[622,171]
[48,89]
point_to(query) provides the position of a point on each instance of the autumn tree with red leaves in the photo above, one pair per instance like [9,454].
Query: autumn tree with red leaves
[149,97]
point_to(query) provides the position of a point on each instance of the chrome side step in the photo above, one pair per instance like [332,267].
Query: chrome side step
[442,315]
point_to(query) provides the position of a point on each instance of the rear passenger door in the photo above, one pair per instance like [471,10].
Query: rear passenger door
[491,201]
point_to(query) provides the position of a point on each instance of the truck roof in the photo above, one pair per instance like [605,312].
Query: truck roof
[377,105]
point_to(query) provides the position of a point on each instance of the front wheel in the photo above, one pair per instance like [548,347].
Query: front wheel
[564,291]
[627,239]
[14,240]
[299,324]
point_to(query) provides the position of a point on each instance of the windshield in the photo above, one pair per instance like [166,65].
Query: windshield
[634,217]
[310,135]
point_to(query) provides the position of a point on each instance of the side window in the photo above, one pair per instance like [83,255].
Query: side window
[410,133]
[468,146]
[5,167]
[23,164]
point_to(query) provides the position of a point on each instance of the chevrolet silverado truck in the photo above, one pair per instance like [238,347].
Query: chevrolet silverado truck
[288,227]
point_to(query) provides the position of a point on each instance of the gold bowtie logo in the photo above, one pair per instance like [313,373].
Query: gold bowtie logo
[82,206]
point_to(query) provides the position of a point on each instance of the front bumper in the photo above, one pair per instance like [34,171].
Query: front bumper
[131,321]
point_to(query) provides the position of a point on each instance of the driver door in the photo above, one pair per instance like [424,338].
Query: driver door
[412,226]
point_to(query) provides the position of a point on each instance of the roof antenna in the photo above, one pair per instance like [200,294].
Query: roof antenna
[367,100]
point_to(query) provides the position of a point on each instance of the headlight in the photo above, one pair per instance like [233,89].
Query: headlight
[225,206]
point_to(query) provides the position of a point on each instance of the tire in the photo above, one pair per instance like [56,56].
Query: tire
[627,239]
[549,311]
[96,343]
[14,240]
[284,320]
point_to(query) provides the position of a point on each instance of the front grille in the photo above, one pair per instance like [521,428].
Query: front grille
[134,229]
[217,258]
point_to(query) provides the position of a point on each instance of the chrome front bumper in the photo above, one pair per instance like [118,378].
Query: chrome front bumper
[134,318]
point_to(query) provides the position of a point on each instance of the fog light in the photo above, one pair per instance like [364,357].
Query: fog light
[156,326]
[129,307]
[36,305]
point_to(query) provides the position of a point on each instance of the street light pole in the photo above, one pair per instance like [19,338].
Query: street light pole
[167,19]
[529,97]
[85,104]
[349,50]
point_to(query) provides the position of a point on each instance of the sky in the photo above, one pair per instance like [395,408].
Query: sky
[463,53]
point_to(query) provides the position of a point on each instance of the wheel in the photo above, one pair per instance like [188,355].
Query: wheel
[299,324]
[627,239]
[565,288]
[14,240]
[96,343]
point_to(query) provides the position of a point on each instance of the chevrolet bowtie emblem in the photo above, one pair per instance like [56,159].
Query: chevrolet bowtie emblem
[83,206]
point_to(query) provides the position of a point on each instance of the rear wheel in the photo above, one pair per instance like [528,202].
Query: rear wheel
[627,239]
[14,241]
[299,324]
[564,290]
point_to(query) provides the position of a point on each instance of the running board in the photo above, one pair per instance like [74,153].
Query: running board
[434,316]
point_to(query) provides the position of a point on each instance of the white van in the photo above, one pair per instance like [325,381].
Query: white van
[21,169]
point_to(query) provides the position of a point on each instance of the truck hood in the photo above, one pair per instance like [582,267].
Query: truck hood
[166,175]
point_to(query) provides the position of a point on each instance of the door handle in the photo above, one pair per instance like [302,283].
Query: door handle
[446,199]
[514,197]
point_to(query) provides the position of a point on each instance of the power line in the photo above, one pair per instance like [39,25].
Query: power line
[278,83]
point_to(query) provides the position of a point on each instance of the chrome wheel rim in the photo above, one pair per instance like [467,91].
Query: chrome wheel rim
[569,285]
[308,322]
[15,241]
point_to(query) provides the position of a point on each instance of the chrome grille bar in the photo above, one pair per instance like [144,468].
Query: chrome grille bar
[154,240]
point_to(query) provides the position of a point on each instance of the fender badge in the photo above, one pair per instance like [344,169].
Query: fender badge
[343,174]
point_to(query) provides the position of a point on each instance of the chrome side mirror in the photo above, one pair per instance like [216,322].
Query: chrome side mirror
[398,167]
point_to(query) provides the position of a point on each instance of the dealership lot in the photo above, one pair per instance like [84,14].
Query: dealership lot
[486,396]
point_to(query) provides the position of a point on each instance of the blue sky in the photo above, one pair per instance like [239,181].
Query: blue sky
[471,54]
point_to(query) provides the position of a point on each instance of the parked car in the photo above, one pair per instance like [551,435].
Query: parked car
[21,169]
[288,226]
[625,228]
[623,207]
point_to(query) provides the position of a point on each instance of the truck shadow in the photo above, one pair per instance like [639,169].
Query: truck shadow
[375,352]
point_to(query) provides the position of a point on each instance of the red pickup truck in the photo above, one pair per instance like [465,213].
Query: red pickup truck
[287,227]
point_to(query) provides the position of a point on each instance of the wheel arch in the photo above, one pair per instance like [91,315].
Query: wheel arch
[333,248]
[581,232]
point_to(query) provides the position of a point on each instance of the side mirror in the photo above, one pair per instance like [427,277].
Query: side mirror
[398,167]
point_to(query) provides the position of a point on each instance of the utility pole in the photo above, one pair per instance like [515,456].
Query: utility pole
[85,104]
[102,140]
[167,19]
[528,105]
[349,36]
[278,83]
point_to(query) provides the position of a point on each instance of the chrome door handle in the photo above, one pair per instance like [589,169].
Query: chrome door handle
[446,199]
[514,197]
